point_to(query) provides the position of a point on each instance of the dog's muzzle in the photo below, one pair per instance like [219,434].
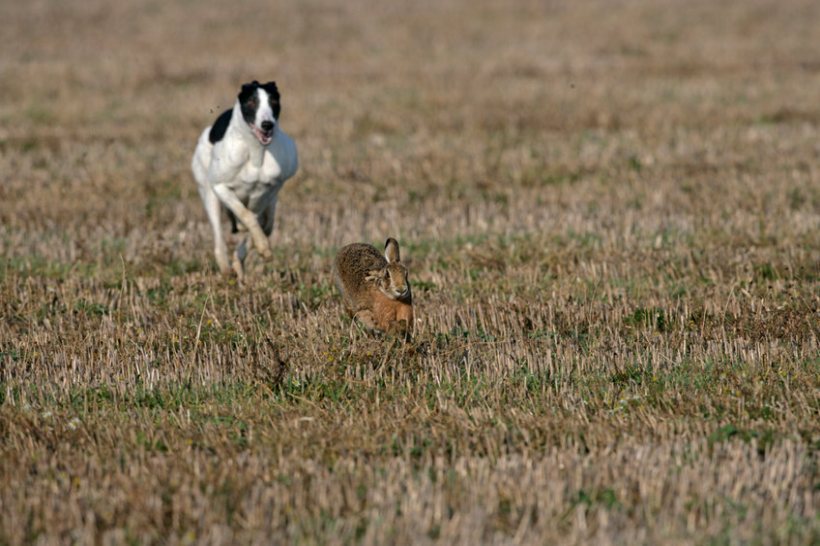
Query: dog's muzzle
[265,133]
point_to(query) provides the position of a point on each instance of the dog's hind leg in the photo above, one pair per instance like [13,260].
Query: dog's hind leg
[213,207]
[239,258]
[267,217]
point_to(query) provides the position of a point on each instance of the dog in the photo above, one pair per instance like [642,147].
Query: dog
[240,164]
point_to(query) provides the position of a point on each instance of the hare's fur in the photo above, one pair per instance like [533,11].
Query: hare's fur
[374,287]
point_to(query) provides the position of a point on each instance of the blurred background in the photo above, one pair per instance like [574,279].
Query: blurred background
[409,107]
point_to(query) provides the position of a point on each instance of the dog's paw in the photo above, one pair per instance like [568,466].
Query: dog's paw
[224,266]
[238,269]
[222,262]
[264,249]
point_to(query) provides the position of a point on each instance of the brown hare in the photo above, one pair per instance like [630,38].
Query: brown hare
[375,288]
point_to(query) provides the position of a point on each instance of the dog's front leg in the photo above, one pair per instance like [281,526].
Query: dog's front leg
[213,207]
[248,218]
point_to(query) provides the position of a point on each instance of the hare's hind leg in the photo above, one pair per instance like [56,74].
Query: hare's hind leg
[367,319]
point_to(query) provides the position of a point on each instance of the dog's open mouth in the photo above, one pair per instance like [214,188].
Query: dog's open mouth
[264,137]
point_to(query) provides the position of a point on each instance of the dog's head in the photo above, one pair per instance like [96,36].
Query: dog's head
[260,108]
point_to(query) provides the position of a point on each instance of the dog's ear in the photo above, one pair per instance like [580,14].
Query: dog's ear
[247,90]
[245,93]
[271,89]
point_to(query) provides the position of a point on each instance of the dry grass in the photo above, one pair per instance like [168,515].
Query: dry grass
[611,212]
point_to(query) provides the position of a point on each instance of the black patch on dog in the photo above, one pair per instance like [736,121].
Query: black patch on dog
[232,218]
[273,98]
[249,101]
[220,126]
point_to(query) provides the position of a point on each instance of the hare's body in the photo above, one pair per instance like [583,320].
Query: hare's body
[392,315]
[353,264]
[375,288]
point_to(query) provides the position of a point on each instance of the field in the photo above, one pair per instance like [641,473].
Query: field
[611,215]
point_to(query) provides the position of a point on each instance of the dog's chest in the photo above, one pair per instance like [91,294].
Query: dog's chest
[256,180]
[264,170]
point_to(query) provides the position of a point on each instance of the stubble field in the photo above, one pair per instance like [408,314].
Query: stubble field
[611,215]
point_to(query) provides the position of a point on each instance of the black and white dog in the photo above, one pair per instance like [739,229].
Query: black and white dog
[240,164]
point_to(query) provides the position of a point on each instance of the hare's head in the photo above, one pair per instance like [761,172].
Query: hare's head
[392,280]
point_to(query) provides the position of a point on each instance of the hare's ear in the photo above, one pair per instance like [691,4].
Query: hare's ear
[391,250]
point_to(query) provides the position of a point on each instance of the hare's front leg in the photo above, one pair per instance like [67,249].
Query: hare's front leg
[400,328]
[367,319]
